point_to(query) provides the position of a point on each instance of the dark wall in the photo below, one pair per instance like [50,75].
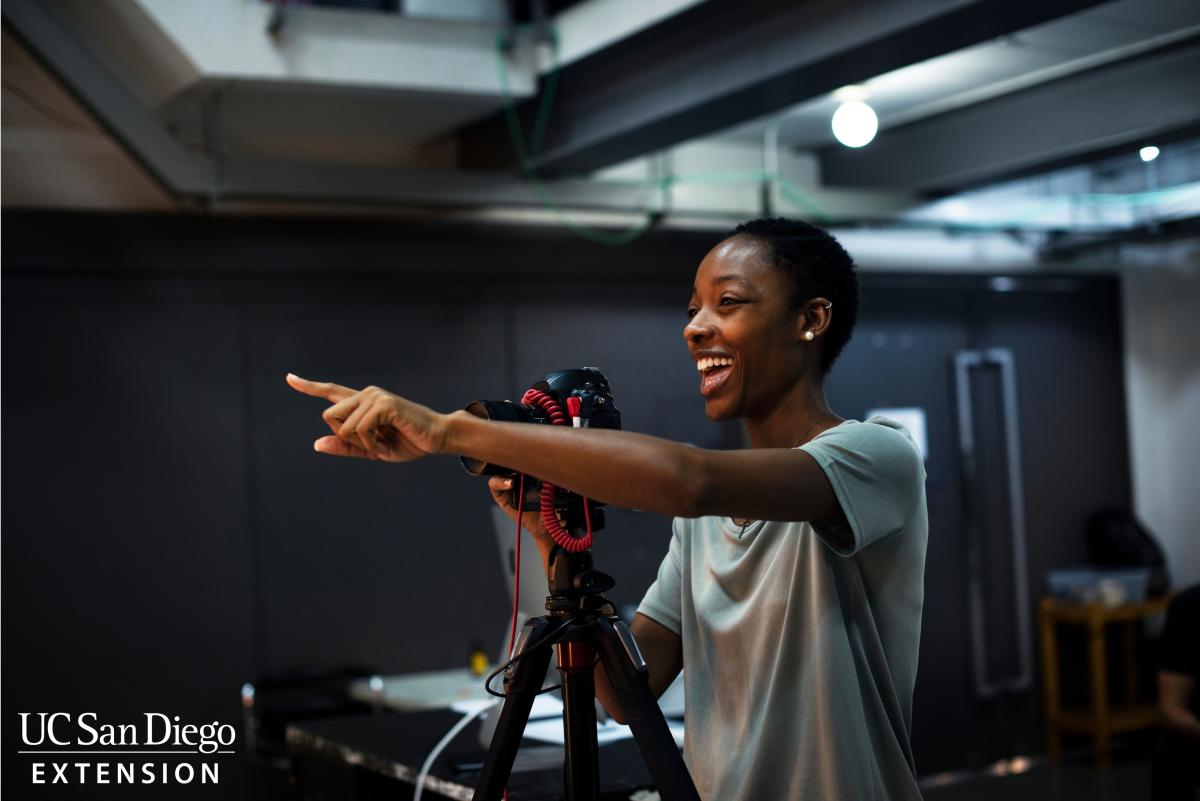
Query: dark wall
[169,532]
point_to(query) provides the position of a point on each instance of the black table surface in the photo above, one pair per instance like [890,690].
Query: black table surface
[396,744]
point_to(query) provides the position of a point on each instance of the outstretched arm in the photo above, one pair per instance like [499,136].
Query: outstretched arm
[621,468]
[638,471]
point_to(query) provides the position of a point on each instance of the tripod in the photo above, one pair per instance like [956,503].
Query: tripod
[576,624]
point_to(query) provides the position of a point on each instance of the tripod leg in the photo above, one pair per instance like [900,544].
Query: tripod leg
[581,766]
[630,682]
[522,681]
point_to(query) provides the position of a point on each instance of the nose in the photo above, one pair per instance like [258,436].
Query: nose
[697,328]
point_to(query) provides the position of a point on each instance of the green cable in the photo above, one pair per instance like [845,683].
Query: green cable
[788,190]
[798,199]
[546,103]
[533,181]
[1137,198]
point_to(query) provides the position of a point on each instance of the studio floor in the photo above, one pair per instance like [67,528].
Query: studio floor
[1127,779]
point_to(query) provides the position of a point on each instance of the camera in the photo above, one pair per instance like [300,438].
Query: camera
[578,396]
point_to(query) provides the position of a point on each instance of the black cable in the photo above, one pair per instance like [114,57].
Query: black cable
[487,683]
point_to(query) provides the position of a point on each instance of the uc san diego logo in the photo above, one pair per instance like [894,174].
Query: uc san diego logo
[159,749]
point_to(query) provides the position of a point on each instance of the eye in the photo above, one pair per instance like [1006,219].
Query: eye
[692,312]
[729,301]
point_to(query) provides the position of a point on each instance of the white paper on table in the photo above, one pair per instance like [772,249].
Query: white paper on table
[551,731]
[544,706]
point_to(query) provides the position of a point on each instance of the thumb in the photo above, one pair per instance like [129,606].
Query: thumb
[335,446]
[499,485]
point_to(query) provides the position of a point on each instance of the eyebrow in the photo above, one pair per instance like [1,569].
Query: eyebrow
[721,279]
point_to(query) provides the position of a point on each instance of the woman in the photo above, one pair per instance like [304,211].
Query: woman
[793,585]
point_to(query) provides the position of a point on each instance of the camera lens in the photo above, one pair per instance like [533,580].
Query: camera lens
[506,411]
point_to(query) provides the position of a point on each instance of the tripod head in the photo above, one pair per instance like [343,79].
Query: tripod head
[575,585]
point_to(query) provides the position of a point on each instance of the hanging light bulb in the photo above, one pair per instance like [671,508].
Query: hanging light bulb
[1148,153]
[855,123]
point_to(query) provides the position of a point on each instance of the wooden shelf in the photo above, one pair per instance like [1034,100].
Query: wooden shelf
[1121,719]
[1062,612]
[1101,719]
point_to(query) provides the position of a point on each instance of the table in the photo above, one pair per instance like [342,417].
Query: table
[1100,719]
[379,756]
[438,689]
[434,689]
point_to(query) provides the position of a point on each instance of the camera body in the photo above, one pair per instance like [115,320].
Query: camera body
[597,409]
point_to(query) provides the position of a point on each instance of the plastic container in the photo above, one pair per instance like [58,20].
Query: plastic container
[1099,585]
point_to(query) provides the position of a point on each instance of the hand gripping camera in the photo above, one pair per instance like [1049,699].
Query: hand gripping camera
[579,397]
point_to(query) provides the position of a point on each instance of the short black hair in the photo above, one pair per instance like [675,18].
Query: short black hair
[818,266]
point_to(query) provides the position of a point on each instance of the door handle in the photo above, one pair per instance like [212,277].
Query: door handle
[1022,679]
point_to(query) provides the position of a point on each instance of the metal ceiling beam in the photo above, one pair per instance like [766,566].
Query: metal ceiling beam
[190,175]
[719,64]
[328,47]
[179,171]
[266,180]
[187,174]
[244,179]
[1122,104]
[586,28]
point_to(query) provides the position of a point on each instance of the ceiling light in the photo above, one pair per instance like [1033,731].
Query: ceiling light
[1148,153]
[855,124]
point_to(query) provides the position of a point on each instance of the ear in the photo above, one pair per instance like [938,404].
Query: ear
[815,315]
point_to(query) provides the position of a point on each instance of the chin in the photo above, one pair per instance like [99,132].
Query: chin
[719,412]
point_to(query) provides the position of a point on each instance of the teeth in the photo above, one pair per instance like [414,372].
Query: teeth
[710,362]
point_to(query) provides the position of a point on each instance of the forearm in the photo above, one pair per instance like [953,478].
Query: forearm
[622,468]
[606,696]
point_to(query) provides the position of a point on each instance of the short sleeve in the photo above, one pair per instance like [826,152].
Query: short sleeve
[1180,647]
[662,602]
[878,477]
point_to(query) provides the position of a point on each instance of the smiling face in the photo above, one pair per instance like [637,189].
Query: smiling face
[744,333]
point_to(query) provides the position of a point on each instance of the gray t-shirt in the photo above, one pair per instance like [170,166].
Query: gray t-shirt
[799,659]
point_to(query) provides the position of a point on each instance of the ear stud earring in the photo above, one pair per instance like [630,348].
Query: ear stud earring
[808,336]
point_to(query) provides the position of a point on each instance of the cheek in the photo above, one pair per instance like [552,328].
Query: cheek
[772,370]
[765,348]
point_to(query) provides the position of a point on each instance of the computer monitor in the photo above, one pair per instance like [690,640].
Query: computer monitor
[534,587]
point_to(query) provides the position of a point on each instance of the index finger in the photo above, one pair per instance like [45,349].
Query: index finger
[320,389]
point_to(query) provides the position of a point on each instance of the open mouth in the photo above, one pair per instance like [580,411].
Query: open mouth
[713,373]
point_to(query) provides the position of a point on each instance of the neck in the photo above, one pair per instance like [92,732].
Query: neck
[802,412]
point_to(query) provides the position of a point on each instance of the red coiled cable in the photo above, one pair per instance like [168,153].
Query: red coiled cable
[564,539]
